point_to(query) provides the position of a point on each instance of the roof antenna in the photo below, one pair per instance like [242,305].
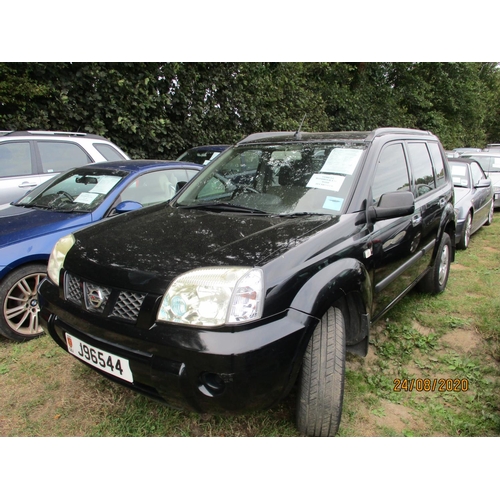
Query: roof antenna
[298,134]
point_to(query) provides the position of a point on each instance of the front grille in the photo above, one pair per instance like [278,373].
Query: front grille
[122,304]
[128,305]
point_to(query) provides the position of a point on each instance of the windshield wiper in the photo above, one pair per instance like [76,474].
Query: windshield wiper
[303,214]
[225,207]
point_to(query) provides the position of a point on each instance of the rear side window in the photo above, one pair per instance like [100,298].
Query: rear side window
[422,168]
[108,151]
[391,173]
[61,156]
[437,161]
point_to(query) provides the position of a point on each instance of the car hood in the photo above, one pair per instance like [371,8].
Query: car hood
[20,223]
[147,249]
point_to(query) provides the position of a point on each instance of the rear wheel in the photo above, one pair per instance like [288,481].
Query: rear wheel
[437,277]
[321,384]
[19,303]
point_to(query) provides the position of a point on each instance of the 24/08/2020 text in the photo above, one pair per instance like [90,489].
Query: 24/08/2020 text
[428,385]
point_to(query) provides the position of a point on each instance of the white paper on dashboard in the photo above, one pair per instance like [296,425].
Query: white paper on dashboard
[326,181]
[342,161]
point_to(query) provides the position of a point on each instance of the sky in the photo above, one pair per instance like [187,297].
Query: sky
[263,30]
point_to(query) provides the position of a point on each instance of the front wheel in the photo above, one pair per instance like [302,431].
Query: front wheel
[489,220]
[321,384]
[435,280]
[466,232]
[19,301]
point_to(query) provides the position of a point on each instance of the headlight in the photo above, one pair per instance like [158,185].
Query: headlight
[56,259]
[214,296]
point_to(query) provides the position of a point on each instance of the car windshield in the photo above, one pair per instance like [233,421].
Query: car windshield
[277,179]
[74,191]
[460,174]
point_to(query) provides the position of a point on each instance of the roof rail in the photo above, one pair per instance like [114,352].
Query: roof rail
[49,133]
[398,130]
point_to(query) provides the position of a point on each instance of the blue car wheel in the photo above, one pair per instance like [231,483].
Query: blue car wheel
[19,302]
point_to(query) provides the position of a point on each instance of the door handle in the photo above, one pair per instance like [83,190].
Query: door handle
[27,185]
[442,202]
[416,219]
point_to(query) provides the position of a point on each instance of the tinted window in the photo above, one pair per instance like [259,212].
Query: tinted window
[438,163]
[108,151]
[15,159]
[61,156]
[391,173]
[422,168]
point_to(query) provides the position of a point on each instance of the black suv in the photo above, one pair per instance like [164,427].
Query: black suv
[261,273]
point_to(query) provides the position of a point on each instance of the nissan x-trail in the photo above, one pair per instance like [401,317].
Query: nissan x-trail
[260,274]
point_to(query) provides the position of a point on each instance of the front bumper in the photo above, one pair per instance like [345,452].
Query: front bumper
[216,371]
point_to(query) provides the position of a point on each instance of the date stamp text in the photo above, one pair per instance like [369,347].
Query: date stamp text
[431,385]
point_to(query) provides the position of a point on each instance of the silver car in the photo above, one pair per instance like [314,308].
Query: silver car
[29,158]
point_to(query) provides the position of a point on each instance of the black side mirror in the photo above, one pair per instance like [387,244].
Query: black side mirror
[392,205]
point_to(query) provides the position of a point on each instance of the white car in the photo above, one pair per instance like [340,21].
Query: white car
[490,163]
[29,158]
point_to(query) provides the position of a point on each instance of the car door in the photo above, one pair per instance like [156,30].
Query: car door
[396,243]
[480,197]
[17,173]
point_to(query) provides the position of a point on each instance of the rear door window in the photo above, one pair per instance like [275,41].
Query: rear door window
[108,151]
[421,164]
[437,161]
[61,156]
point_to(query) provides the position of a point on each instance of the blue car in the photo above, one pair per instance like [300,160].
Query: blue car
[30,227]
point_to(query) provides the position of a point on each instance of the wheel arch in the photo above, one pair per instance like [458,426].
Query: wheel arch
[347,284]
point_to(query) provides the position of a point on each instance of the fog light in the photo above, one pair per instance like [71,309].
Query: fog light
[211,384]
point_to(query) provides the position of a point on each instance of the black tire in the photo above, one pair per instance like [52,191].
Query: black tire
[436,278]
[19,303]
[489,220]
[321,383]
[466,232]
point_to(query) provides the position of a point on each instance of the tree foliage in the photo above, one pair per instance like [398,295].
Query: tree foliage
[157,110]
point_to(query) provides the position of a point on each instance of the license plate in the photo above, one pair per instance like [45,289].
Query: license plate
[109,363]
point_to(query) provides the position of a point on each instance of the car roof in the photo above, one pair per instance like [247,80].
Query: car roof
[139,165]
[268,137]
[482,154]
